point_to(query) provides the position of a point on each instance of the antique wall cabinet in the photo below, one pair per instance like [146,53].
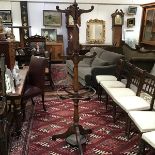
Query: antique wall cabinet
[147,33]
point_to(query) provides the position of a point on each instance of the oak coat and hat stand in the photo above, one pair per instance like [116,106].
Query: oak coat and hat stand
[75,135]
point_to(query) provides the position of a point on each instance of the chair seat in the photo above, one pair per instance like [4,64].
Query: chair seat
[149,137]
[31,91]
[112,84]
[144,120]
[100,78]
[130,103]
[114,93]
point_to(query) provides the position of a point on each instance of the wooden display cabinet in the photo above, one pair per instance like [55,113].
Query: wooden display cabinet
[8,48]
[56,50]
[147,33]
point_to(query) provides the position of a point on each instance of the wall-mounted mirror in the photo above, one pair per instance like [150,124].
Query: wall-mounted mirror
[95,32]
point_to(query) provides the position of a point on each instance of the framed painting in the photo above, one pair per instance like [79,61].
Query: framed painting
[132,10]
[52,18]
[49,34]
[130,22]
[6,16]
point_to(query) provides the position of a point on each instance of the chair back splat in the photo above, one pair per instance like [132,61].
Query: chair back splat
[136,79]
[119,69]
[126,70]
[149,87]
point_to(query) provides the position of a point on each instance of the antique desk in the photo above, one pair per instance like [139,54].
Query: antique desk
[15,100]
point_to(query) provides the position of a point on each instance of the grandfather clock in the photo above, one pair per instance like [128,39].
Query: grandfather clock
[117,22]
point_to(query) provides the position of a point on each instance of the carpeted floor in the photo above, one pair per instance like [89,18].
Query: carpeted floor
[107,138]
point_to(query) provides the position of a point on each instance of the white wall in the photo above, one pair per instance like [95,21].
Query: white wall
[101,12]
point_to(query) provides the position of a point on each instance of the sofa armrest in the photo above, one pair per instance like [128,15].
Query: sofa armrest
[103,70]
[99,70]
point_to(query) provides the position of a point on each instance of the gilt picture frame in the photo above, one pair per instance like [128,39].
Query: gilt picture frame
[52,18]
[6,16]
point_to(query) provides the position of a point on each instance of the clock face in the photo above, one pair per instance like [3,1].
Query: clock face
[70,20]
[118,20]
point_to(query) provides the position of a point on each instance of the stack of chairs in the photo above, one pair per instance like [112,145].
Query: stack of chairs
[127,96]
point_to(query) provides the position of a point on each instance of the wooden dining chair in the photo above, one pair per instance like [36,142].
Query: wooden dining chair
[35,81]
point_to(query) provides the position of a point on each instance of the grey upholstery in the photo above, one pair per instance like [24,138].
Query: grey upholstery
[103,63]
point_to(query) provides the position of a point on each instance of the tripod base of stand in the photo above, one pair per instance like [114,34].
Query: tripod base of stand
[73,141]
[71,133]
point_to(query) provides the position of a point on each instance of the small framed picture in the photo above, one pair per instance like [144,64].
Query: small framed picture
[52,18]
[6,16]
[49,34]
[130,22]
[132,10]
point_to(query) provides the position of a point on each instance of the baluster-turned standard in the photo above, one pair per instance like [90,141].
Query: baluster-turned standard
[75,135]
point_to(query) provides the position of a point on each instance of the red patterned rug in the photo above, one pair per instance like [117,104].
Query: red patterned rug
[59,74]
[107,138]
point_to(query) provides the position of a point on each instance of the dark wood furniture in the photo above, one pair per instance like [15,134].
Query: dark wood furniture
[147,33]
[36,45]
[56,49]
[117,22]
[35,81]
[15,99]
[75,135]
[8,48]
[21,34]
[3,110]
[84,48]
[144,60]
[70,31]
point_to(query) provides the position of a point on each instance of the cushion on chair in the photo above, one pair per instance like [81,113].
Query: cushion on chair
[144,120]
[149,137]
[130,103]
[112,84]
[32,91]
[114,93]
[100,78]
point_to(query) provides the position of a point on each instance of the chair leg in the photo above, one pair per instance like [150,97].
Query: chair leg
[128,128]
[98,91]
[50,78]
[106,101]
[43,102]
[32,101]
[141,150]
[23,108]
[114,112]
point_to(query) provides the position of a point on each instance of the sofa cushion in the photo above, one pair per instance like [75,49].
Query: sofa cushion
[97,50]
[99,62]
[88,60]
[83,71]
[110,57]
